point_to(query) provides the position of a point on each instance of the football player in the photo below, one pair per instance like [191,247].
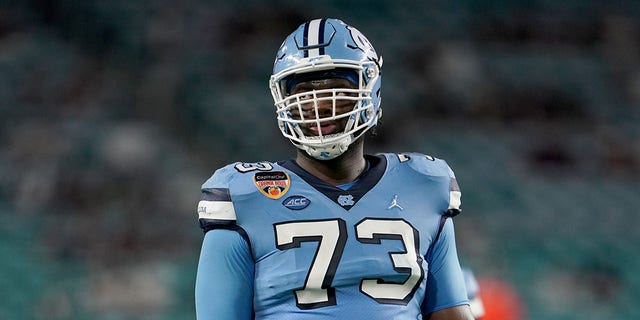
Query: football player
[333,233]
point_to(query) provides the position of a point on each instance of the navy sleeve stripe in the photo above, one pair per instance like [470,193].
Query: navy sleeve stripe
[454,185]
[215,194]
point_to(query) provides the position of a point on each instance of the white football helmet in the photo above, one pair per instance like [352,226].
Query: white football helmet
[323,49]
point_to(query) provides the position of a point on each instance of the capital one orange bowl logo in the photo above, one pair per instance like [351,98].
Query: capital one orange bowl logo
[272,184]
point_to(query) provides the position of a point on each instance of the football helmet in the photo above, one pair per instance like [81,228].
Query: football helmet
[326,49]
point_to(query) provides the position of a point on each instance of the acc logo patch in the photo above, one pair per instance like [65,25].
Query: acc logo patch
[296,202]
[272,184]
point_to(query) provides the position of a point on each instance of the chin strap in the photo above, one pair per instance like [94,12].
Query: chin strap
[330,151]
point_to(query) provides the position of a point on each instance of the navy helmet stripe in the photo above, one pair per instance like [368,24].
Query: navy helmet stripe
[312,38]
[323,22]
[305,39]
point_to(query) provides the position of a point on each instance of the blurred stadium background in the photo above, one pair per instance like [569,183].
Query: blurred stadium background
[113,113]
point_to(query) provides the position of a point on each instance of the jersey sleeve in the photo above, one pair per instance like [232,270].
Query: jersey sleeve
[215,209]
[224,281]
[445,281]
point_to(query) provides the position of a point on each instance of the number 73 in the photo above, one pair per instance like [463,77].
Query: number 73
[331,236]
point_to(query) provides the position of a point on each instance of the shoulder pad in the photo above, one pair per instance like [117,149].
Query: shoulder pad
[223,176]
[432,166]
[215,207]
[424,164]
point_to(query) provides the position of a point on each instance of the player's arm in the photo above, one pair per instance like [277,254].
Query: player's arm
[446,295]
[224,281]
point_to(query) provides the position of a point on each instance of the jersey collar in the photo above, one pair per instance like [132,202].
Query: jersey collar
[345,198]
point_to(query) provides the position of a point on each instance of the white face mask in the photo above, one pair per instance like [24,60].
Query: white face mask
[319,109]
[325,122]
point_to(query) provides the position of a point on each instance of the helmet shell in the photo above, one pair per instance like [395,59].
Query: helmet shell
[324,44]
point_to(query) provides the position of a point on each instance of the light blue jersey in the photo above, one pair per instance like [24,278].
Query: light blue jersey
[282,244]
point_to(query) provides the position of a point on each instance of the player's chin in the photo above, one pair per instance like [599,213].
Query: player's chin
[325,129]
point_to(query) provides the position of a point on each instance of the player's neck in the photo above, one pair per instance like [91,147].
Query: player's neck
[340,170]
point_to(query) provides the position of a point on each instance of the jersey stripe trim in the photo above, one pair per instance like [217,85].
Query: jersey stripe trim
[454,195]
[454,200]
[215,194]
[454,185]
[216,210]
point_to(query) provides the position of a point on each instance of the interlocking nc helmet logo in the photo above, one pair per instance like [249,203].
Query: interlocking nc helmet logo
[345,200]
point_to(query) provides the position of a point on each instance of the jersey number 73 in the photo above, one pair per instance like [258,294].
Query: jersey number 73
[331,236]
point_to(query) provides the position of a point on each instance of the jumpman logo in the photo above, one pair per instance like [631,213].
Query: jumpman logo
[394,203]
